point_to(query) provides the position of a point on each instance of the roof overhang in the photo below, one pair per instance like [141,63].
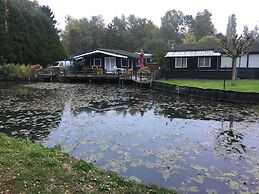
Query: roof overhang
[208,53]
[102,52]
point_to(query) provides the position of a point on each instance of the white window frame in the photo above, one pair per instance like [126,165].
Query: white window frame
[182,64]
[124,65]
[203,59]
[98,59]
[148,60]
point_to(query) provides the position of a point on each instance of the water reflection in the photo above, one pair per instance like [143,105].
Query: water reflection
[183,142]
[229,141]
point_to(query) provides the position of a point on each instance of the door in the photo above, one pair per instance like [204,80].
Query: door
[110,62]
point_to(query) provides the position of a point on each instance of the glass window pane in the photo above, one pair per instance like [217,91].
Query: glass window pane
[178,62]
[184,62]
[124,62]
[201,62]
[97,62]
[207,62]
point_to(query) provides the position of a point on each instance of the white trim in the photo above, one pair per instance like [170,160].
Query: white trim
[178,65]
[208,53]
[181,63]
[102,52]
[78,59]
[184,62]
[204,62]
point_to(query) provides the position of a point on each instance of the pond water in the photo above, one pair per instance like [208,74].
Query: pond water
[147,135]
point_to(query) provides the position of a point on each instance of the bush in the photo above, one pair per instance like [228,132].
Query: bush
[145,71]
[12,72]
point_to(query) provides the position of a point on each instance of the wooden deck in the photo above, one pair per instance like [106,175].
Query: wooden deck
[96,78]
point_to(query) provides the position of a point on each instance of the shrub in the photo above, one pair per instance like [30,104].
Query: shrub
[12,72]
[145,71]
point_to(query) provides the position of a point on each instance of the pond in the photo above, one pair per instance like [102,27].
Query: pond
[147,135]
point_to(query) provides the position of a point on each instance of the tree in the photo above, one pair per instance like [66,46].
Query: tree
[140,30]
[190,38]
[231,27]
[235,48]
[27,34]
[97,31]
[203,25]
[77,36]
[173,26]
[209,40]
[117,34]
[49,13]
[254,33]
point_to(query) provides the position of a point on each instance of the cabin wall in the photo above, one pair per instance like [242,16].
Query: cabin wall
[197,74]
[89,61]
[192,64]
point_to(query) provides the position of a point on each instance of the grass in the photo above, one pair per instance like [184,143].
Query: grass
[30,168]
[242,85]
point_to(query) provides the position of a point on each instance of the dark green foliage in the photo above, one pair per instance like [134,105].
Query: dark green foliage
[231,27]
[173,25]
[123,33]
[133,33]
[82,166]
[31,36]
[203,25]
[209,40]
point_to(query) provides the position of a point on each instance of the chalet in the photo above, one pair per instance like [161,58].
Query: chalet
[109,60]
[209,62]
[148,58]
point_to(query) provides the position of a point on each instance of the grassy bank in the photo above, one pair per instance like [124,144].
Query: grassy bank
[242,85]
[30,168]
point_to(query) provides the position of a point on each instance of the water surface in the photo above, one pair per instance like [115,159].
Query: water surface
[147,135]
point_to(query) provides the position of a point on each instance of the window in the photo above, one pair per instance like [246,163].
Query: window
[204,62]
[124,63]
[97,62]
[180,62]
[148,60]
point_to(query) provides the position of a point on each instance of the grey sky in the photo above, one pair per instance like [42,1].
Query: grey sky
[247,12]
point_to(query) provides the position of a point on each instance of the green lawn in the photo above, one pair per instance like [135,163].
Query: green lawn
[30,168]
[242,85]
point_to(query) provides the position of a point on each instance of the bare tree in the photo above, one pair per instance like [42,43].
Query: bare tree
[235,48]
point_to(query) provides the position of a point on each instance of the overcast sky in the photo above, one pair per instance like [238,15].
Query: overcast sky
[247,12]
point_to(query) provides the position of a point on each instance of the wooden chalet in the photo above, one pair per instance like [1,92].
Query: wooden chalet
[209,62]
[108,61]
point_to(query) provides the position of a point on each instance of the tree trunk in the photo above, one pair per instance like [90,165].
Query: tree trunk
[234,71]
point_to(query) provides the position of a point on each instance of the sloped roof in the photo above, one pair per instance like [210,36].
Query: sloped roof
[206,47]
[204,53]
[194,50]
[121,52]
[196,47]
[110,52]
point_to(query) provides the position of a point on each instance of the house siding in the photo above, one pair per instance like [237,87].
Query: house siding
[192,64]
[89,60]
[247,65]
